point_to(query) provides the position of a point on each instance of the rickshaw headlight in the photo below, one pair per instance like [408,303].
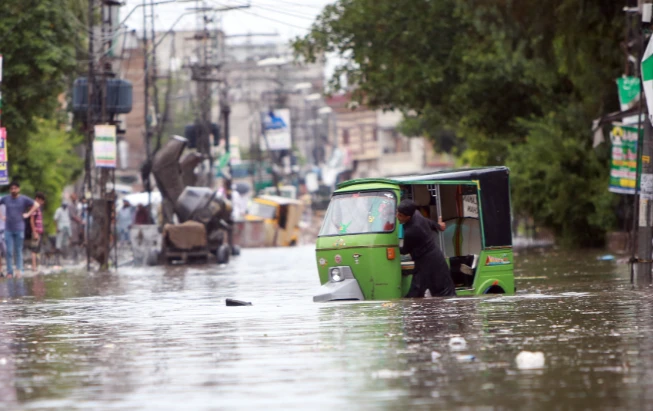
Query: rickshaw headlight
[336,275]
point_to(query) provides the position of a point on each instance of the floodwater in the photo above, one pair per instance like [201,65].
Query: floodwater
[157,339]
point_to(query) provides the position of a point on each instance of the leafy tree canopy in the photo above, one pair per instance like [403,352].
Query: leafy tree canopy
[518,82]
[42,44]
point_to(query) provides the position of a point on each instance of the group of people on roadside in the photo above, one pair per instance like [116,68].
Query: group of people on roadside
[127,217]
[22,226]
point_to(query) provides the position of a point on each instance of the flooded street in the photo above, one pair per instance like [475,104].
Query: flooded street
[151,338]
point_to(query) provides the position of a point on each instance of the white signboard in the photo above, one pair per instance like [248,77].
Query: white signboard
[104,146]
[470,206]
[646,186]
[276,126]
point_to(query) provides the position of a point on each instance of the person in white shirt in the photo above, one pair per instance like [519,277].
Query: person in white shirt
[64,229]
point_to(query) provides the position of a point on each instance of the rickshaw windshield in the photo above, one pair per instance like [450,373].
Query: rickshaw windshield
[262,210]
[360,213]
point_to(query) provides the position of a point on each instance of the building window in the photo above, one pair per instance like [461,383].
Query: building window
[394,142]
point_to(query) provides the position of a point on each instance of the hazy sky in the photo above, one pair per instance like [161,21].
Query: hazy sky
[288,18]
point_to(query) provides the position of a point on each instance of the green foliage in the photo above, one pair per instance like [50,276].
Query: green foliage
[558,181]
[518,82]
[42,43]
[50,164]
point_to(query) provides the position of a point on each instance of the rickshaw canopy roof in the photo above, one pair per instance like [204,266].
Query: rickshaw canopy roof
[494,196]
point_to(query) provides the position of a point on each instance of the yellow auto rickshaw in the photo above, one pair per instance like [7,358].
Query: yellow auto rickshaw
[280,218]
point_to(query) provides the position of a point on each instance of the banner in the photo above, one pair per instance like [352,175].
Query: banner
[104,146]
[4,159]
[276,125]
[647,77]
[623,165]
[629,88]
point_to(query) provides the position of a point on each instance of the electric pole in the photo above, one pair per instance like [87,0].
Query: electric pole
[644,182]
[90,80]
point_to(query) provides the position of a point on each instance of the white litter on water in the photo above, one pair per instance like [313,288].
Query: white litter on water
[391,374]
[457,344]
[435,356]
[527,360]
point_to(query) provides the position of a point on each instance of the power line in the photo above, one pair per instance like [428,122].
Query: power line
[277,11]
[274,20]
[310,6]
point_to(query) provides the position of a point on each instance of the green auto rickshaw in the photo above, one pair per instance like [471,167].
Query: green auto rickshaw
[357,248]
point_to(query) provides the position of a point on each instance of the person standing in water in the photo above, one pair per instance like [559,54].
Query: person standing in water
[36,224]
[15,207]
[431,269]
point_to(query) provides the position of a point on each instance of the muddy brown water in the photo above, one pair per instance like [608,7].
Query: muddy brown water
[163,339]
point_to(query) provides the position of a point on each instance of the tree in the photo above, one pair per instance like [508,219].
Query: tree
[42,43]
[504,75]
[52,163]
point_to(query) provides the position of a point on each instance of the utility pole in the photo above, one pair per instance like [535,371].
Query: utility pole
[204,74]
[102,197]
[90,80]
[146,107]
[642,273]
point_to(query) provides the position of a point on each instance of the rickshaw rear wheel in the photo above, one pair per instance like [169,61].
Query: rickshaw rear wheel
[495,289]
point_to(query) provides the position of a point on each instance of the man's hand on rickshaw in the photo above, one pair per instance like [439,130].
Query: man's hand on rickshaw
[442,224]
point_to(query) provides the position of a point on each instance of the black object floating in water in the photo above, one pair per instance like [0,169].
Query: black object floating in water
[236,303]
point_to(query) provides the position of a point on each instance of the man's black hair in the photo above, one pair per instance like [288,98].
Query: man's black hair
[14,183]
[407,207]
[40,196]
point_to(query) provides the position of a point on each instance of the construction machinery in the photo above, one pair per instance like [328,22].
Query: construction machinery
[193,221]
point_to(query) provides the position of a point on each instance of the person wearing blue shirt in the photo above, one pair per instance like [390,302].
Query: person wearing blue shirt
[15,215]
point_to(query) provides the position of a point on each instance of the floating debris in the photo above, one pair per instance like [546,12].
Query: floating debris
[236,303]
[457,344]
[527,360]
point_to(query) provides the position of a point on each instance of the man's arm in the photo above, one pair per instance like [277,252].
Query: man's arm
[32,223]
[437,226]
[35,206]
[408,241]
[74,215]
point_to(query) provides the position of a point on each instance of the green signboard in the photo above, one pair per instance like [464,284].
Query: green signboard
[623,166]
[629,88]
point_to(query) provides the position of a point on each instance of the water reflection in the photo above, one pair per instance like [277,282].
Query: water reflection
[152,338]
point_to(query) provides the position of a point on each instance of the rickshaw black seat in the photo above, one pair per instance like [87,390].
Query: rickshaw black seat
[457,275]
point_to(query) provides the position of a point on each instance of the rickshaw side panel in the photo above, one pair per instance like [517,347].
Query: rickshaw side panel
[495,268]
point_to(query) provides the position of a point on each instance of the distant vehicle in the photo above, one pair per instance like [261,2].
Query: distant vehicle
[202,217]
[357,249]
[284,191]
[279,217]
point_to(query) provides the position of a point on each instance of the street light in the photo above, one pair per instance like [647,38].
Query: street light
[302,86]
[272,61]
[313,97]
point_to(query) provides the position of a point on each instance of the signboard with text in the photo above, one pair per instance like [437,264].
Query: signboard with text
[623,165]
[276,126]
[4,159]
[104,146]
